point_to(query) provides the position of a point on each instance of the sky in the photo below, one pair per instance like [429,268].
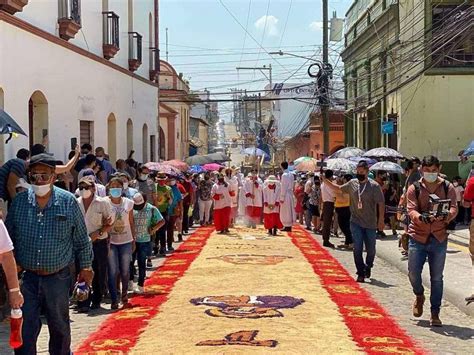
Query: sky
[207,40]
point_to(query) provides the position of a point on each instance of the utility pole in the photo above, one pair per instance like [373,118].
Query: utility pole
[167,44]
[325,106]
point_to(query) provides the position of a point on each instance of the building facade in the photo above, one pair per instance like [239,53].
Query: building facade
[409,76]
[198,136]
[174,113]
[81,69]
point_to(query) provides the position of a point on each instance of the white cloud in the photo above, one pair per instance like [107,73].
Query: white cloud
[271,25]
[316,26]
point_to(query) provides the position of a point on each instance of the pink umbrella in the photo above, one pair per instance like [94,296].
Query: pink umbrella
[178,164]
[164,168]
[211,167]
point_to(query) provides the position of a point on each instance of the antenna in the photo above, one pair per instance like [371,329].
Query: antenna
[167,44]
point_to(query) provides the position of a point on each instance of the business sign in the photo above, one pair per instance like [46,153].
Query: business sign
[306,90]
[388,127]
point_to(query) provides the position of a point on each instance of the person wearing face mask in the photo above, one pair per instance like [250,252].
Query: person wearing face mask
[205,199]
[98,217]
[428,235]
[48,232]
[328,197]
[365,195]
[175,209]
[381,179]
[221,194]
[108,169]
[127,190]
[164,197]
[271,205]
[314,201]
[122,241]
[145,184]
[254,203]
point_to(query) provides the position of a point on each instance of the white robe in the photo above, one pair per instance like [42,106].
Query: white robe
[271,197]
[224,196]
[234,186]
[287,210]
[249,187]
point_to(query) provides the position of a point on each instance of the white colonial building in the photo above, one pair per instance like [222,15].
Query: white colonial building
[81,69]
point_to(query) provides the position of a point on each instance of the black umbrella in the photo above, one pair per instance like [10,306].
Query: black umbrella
[218,157]
[198,160]
[9,126]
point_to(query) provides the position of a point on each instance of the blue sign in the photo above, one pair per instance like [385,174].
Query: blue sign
[388,127]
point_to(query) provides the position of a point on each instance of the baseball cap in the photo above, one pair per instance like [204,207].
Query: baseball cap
[44,159]
[138,199]
[87,180]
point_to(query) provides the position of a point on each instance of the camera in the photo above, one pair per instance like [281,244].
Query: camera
[439,207]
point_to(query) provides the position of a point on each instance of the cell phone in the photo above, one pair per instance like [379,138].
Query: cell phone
[73,143]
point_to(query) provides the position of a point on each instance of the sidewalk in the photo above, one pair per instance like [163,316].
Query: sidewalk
[458,279]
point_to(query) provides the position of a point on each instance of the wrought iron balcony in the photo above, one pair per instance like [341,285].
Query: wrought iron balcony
[111,33]
[134,50]
[69,18]
[154,63]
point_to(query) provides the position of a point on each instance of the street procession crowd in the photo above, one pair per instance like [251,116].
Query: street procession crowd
[88,229]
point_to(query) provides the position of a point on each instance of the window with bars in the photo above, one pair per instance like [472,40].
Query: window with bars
[135,46]
[452,44]
[86,132]
[111,29]
[71,10]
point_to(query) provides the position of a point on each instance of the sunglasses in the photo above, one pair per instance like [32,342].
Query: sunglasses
[84,188]
[40,177]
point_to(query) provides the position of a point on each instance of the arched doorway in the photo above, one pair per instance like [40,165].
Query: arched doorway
[129,136]
[145,143]
[38,119]
[162,144]
[112,137]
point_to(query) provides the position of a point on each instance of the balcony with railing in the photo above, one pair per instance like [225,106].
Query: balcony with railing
[13,6]
[69,18]
[134,51]
[154,63]
[111,43]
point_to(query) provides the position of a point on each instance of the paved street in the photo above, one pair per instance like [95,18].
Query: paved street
[389,287]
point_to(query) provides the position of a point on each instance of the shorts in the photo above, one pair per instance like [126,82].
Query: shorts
[314,210]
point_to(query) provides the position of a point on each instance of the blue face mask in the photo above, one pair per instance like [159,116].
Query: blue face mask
[115,192]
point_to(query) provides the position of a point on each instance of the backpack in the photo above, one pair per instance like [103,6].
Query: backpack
[417,186]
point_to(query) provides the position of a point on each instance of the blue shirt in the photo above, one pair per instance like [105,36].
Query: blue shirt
[108,168]
[176,198]
[129,193]
[48,240]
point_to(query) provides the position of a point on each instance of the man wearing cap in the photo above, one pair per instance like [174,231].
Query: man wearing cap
[221,194]
[48,232]
[163,199]
[99,219]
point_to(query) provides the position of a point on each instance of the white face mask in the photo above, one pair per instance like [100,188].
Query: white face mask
[143,176]
[85,193]
[125,185]
[100,158]
[41,190]
[430,177]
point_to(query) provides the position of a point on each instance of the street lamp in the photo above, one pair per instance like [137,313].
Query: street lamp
[280,52]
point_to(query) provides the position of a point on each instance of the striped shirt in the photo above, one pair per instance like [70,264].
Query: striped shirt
[15,166]
[48,240]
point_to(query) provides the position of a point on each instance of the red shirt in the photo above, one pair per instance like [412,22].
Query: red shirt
[469,194]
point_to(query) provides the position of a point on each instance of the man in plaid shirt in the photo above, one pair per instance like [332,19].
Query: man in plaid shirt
[48,232]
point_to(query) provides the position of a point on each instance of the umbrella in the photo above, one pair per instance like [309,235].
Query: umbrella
[306,165]
[340,164]
[198,160]
[178,164]
[9,126]
[388,166]
[164,168]
[211,167]
[218,157]
[347,153]
[253,151]
[196,169]
[302,159]
[367,160]
[469,150]
[383,153]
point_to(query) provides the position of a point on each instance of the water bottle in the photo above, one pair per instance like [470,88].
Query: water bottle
[16,323]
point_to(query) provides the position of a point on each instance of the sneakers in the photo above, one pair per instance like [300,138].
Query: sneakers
[368,272]
[435,321]
[418,306]
[149,264]
[139,290]
[114,306]
[328,245]
[360,279]
[130,285]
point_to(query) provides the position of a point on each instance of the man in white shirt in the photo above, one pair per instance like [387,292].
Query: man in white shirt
[329,197]
[98,217]
[287,206]
[9,268]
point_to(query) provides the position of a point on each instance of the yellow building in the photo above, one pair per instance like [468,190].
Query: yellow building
[410,65]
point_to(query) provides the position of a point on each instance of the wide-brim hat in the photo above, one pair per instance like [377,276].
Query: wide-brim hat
[161,176]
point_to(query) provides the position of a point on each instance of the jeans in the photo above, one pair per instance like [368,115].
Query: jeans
[50,293]
[99,265]
[328,213]
[170,227]
[185,218]
[344,220]
[142,253]
[308,217]
[161,234]
[435,252]
[119,263]
[361,236]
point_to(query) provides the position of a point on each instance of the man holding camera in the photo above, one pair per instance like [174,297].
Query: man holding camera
[428,233]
